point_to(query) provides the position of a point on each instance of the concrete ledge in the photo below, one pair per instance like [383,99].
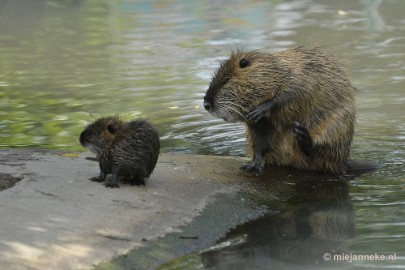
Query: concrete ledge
[55,218]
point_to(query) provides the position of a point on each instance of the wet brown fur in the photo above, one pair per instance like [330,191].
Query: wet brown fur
[127,149]
[304,85]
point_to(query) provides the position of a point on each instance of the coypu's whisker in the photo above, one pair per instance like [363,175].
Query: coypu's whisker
[230,109]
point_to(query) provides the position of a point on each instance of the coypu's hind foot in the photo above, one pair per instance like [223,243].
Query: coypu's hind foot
[303,138]
[260,112]
[252,166]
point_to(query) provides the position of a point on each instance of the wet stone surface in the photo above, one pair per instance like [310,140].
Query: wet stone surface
[56,218]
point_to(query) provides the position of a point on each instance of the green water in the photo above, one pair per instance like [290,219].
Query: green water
[64,63]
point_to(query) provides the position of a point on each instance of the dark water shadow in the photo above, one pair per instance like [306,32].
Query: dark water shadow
[312,216]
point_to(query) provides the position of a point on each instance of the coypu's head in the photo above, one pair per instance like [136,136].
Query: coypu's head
[99,135]
[241,83]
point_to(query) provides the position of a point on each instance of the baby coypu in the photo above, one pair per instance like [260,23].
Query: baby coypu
[127,150]
[298,106]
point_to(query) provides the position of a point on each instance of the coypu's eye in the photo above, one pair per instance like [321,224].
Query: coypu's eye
[112,129]
[244,63]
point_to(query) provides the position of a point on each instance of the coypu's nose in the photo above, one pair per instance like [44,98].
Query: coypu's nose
[207,106]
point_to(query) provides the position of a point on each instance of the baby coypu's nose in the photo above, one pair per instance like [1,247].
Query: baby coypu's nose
[207,106]
[82,138]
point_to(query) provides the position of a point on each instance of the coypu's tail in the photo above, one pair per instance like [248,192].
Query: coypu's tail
[361,166]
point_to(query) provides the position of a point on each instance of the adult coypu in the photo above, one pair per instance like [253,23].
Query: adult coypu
[127,150]
[298,106]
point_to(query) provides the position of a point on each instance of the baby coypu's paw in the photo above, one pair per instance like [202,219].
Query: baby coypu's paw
[111,185]
[252,166]
[137,182]
[96,179]
[100,178]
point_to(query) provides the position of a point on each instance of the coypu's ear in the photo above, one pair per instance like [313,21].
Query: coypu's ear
[244,62]
[112,128]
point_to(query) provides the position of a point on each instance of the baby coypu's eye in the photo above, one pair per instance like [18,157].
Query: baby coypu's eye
[244,63]
[112,128]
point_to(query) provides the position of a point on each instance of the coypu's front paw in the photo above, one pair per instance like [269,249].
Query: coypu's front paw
[260,112]
[252,166]
[254,116]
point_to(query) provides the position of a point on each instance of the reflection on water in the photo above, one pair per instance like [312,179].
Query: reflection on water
[64,62]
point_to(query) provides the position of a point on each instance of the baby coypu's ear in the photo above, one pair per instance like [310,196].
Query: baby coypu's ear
[244,62]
